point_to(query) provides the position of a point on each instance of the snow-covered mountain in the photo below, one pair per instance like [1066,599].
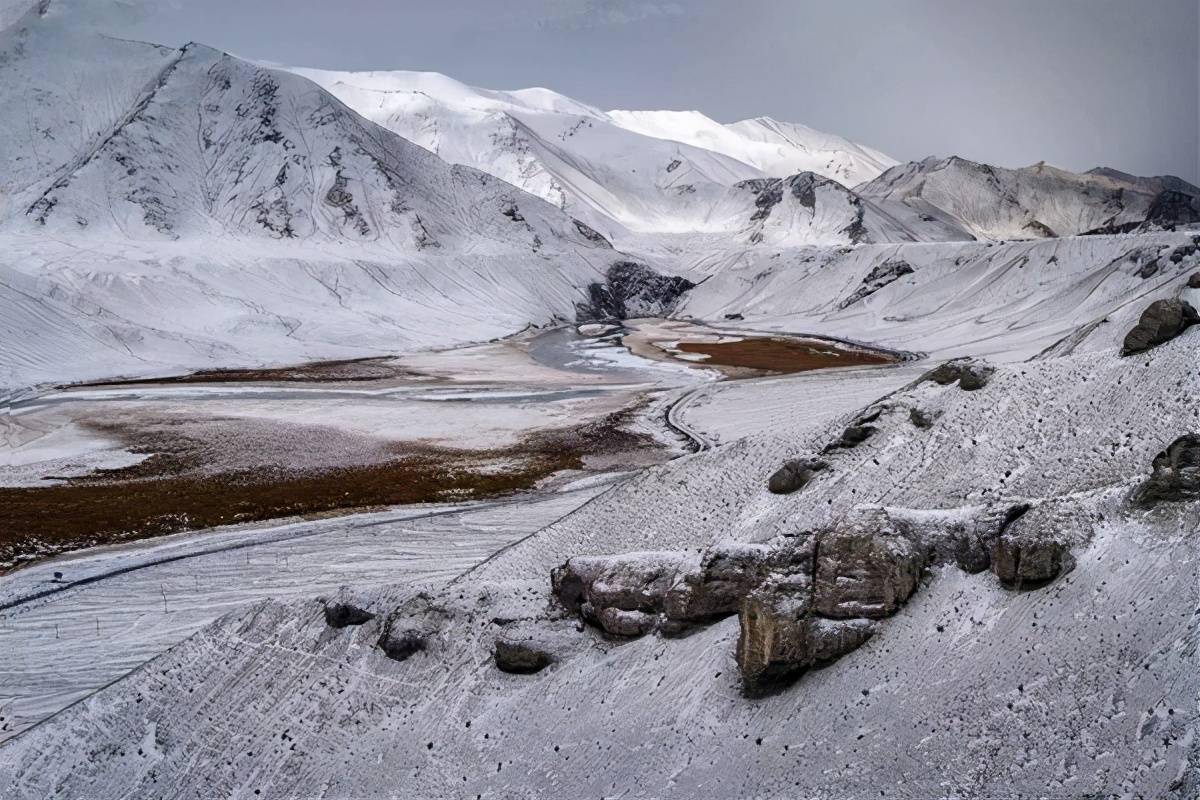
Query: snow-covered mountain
[162,205]
[656,171]
[1031,202]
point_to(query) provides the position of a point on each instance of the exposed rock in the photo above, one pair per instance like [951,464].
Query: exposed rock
[734,317]
[780,636]
[411,628]
[881,276]
[622,594]
[1032,549]
[399,644]
[714,585]
[1175,475]
[794,475]
[1194,281]
[1182,252]
[632,290]
[1172,208]
[852,437]
[922,419]
[521,657]
[619,621]
[1161,322]
[341,615]
[970,375]
[591,234]
[865,568]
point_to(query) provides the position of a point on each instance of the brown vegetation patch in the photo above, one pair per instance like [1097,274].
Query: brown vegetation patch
[780,354]
[177,489]
[349,370]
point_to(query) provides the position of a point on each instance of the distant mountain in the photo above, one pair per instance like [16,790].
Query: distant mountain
[1031,202]
[645,172]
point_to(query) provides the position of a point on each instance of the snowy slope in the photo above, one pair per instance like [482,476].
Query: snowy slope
[776,148]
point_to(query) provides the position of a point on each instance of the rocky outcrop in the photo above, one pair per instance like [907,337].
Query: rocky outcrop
[1194,281]
[886,273]
[865,569]
[636,593]
[1161,322]
[1032,547]
[922,419]
[622,595]
[1171,208]
[970,375]
[713,586]
[1175,474]
[632,290]
[794,475]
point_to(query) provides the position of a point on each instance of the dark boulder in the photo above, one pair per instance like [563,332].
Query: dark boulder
[1028,564]
[1161,322]
[341,615]
[1194,281]
[1175,474]
[399,644]
[794,475]
[521,657]
[922,419]
[970,375]
[852,437]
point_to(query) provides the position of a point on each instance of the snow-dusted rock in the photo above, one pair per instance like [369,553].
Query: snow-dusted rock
[794,475]
[1161,322]
[1175,474]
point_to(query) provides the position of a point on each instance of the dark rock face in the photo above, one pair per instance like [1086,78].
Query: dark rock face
[1028,564]
[883,275]
[341,615]
[591,234]
[1172,208]
[867,569]
[794,475]
[521,657]
[1175,475]
[1161,322]
[632,290]
[1194,281]
[970,375]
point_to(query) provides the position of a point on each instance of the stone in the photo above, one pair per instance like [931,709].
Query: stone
[1175,473]
[773,643]
[794,475]
[970,375]
[521,657]
[1161,322]
[620,622]
[1194,281]
[865,568]
[341,615]
[922,419]
[1028,564]
[852,437]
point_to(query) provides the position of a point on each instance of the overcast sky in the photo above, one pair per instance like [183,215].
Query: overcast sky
[1077,83]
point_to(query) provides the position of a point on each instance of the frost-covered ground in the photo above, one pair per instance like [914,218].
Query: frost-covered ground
[166,210]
